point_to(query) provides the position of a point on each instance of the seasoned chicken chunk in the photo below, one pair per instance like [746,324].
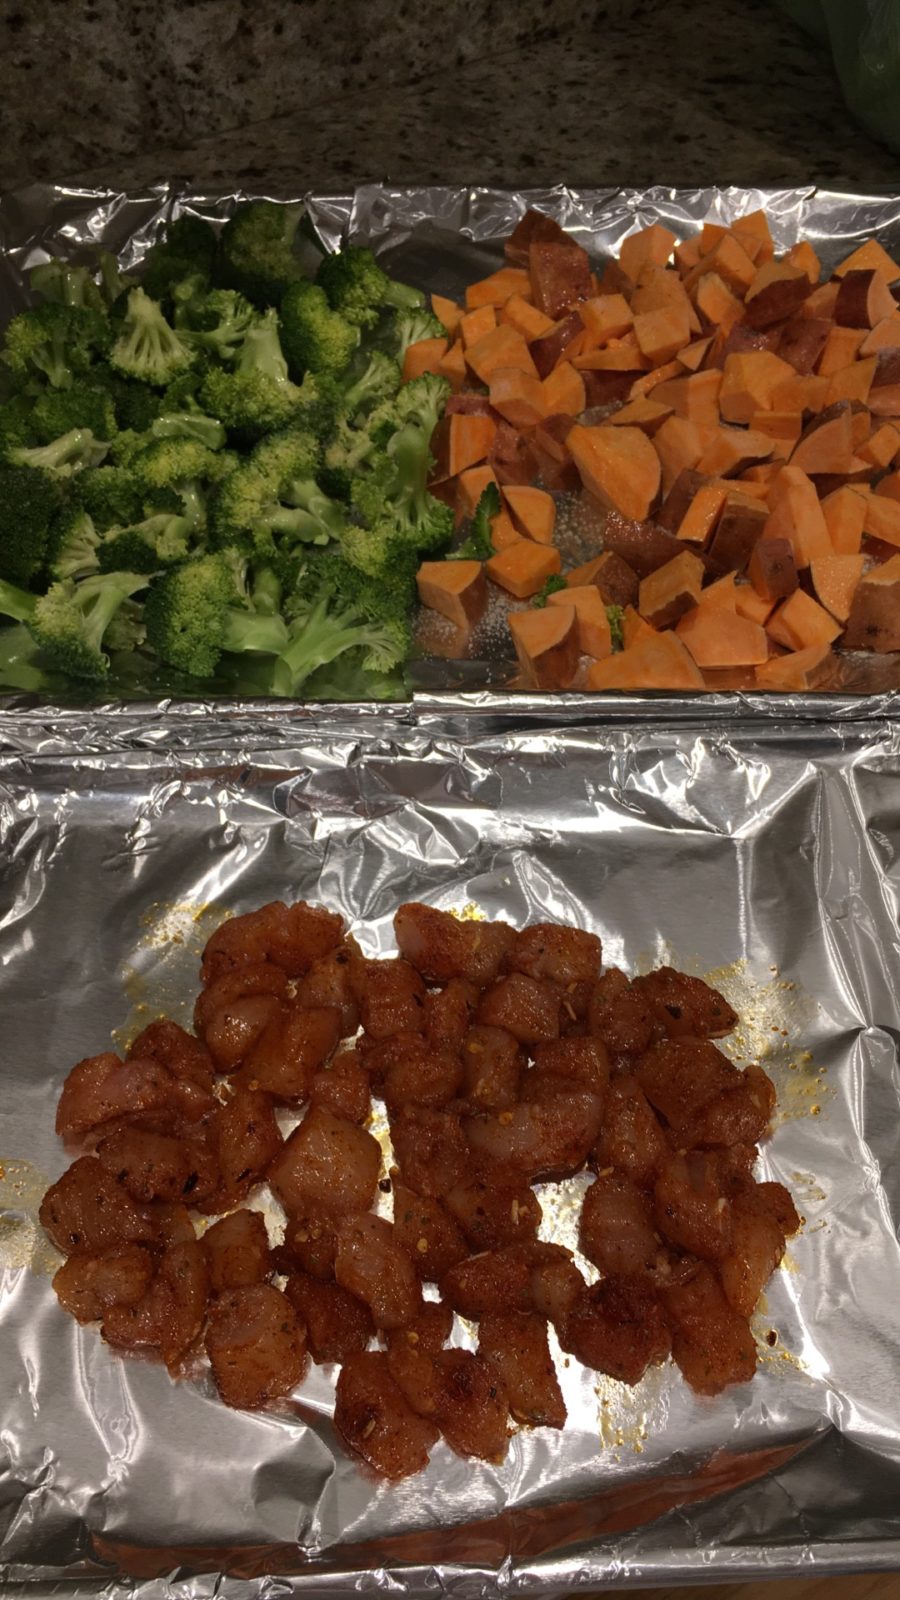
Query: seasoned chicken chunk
[86,1211]
[527,1008]
[473,1405]
[450,1013]
[246,1138]
[498,1280]
[293,1045]
[105,1089]
[291,937]
[86,1286]
[342,1086]
[631,1140]
[545,1139]
[515,1344]
[242,983]
[441,947]
[617,1327]
[180,1052]
[681,1076]
[151,1166]
[428,1233]
[420,1075]
[337,1323]
[327,983]
[757,1245]
[327,1165]
[309,1245]
[237,1247]
[689,1210]
[685,1006]
[494,1208]
[616,1230]
[372,1263]
[711,1342]
[232,1032]
[492,1067]
[376,1422]
[430,1149]
[256,1345]
[565,1064]
[621,1016]
[169,1318]
[549,950]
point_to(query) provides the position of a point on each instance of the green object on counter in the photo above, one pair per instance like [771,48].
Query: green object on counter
[864,39]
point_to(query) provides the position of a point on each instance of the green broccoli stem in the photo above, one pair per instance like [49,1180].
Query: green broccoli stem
[266,592]
[71,452]
[207,431]
[248,630]
[316,640]
[109,595]
[16,603]
[402,296]
[305,495]
[261,350]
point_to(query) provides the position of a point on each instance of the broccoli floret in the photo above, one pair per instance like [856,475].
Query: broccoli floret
[256,251]
[217,322]
[411,326]
[71,453]
[20,661]
[113,282]
[615,616]
[350,448]
[357,286]
[183,465]
[16,425]
[315,338]
[84,406]
[380,381]
[71,620]
[256,396]
[111,495]
[254,512]
[187,248]
[67,285]
[73,545]
[479,545]
[325,632]
[189,425]
[159,541]
[198,610]
[551,585]
[148,348]
[127,631]
[134,404]
[57,342]
[29,501]
[422,401]
[181,393]
[395,486]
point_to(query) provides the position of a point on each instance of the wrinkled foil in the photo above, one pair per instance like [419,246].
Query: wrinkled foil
[750,839]
[763,856]
[443,239]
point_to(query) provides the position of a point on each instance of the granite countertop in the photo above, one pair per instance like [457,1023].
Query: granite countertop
[259,93]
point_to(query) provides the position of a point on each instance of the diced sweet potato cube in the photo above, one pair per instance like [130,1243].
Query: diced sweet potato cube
[564,391]
[748,380]
[732,450]
[852,382]
[701,515]
[776,292]
[470,486]
[619,466]
[661,334]
[533,511]
[497,288]
[642,412]
[563,338]
[884,336]
[687,254]
[634,627]
[523,567]
[845,513]
[864,299]
[799,670]
[739,525]
[457,589]
[882,446]
[655,661]
[803,255]
[591,621]
[461,440]
[874,622]
[797,515]
[548,645]
[447,312]
[425,355]
[835,579]
[695,397]
[672,590]
[801,622]
[882,518]
[476,324]
[525,318]
[869,257]
[802,341]
[615,581]
[718,639]
[652,244]
[799,393]
[772,569]
[501,347]
[679,445]
[826,444]
[605,317]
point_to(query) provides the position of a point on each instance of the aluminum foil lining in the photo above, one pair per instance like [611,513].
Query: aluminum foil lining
[764,856]
[443,238]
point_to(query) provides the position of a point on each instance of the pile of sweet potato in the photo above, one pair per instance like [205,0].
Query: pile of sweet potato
[733,419]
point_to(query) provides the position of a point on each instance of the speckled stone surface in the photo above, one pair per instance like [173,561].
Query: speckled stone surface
[323,94]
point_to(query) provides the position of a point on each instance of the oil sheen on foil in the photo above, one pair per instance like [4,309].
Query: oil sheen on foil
[761,854]
[442,239]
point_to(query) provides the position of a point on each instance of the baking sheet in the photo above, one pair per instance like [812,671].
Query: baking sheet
[762,854]
[443,238]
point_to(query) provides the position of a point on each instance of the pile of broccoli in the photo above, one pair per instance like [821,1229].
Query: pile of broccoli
[213,469]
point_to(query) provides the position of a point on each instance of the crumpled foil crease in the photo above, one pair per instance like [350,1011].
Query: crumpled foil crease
[751,842]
